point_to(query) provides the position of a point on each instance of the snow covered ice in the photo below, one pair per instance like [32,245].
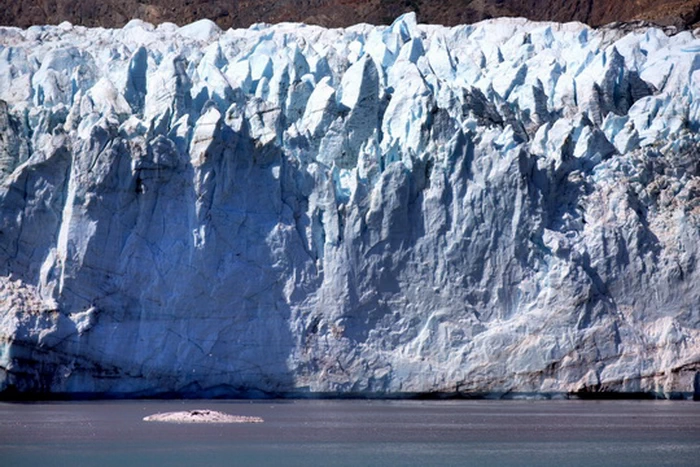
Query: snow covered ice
[499,208]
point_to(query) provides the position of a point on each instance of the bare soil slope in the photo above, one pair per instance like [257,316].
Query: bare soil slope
[333,13]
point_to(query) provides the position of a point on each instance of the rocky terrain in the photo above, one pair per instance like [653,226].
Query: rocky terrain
[343,13]
[503,208]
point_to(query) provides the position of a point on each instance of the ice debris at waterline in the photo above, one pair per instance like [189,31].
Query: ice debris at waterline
[499,208]
[201,416]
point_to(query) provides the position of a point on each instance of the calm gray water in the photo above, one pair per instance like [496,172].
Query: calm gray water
[342,433]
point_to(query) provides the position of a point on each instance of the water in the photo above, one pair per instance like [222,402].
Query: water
[355,432]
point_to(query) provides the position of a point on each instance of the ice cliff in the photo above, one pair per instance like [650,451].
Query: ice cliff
[500,208]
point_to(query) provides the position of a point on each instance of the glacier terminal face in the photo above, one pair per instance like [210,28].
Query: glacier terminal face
[498,208]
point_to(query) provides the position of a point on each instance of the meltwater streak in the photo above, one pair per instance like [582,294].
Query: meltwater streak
[355,433]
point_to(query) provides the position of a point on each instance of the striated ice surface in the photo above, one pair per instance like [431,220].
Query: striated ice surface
[506,207]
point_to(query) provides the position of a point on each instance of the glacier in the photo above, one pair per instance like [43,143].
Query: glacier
[499,209]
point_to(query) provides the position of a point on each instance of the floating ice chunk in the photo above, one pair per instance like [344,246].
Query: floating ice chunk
[200,416]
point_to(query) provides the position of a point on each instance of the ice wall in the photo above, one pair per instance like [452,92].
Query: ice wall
[500,208]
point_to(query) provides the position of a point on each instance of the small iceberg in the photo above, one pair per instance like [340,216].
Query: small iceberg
[200,416]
